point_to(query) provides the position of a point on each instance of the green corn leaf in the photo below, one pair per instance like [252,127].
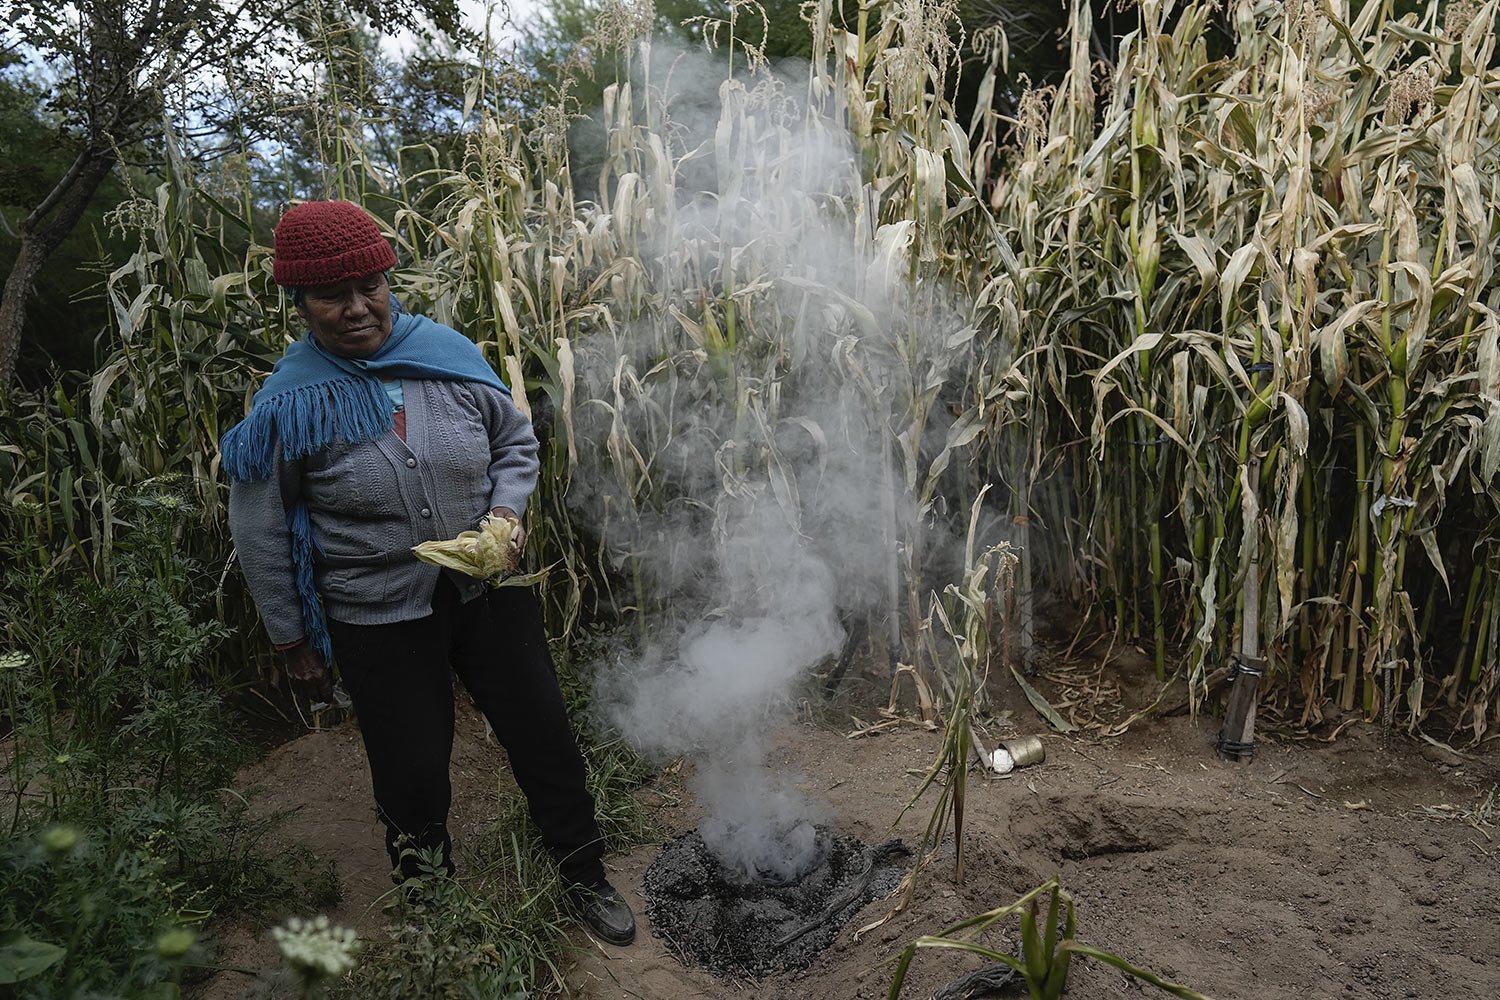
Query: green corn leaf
[1109,958]
[1042,705]
[1031,948]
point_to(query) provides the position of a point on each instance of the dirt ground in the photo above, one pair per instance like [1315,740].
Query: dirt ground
[1351,868]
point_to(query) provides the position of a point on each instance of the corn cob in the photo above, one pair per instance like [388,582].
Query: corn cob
[488,553]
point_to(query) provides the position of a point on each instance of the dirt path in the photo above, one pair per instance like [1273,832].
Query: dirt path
[1307,873]
[1311,872]
[322,782]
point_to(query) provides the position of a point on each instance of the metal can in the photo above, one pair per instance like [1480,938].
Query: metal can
[1025,750]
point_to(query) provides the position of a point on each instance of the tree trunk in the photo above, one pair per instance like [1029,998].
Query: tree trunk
[41,234]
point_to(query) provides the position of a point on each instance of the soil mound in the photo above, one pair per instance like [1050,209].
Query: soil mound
[748,927]
[1075,827]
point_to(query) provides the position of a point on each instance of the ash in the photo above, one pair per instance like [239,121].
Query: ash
[718,918]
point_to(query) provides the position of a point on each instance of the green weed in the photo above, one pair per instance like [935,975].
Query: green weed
[1048,945]
[119,752]
[495,933]
[82,917]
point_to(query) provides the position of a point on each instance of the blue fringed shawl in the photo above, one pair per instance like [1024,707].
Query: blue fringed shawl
[313,398]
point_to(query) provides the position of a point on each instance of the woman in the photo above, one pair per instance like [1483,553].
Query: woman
[378,430]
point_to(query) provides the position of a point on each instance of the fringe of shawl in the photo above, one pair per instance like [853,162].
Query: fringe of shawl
[304,547]
[305,420]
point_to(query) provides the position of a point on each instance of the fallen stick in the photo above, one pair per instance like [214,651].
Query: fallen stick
[1180,704]
[851,894]
[992,979]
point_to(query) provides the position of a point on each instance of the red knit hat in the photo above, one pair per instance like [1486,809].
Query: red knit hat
[325,242]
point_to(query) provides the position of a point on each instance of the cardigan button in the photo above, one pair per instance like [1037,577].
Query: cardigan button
[426,511]
[411,463]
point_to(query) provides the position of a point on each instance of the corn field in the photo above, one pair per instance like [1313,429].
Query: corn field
[1189,325]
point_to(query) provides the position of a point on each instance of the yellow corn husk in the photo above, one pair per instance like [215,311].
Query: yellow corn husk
[487,554]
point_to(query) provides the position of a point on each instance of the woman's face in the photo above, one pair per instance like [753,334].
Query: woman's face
[351,319]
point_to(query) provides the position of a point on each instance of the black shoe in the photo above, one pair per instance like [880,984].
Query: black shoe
[605,912]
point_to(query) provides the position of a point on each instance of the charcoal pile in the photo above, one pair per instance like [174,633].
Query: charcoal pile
[756,924]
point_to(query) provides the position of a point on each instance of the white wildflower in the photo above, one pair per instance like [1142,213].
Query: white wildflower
[26,506]
[315,949]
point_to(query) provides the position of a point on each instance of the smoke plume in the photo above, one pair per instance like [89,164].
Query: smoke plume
[750,487]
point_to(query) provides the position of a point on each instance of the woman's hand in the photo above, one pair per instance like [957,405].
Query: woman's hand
[519,537]
[309,674]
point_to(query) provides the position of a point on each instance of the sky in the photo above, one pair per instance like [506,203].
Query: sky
[520,10]
[474,14]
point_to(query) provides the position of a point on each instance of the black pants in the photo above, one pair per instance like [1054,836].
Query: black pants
[400,677]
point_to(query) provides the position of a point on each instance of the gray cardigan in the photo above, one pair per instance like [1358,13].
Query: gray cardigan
[468,449]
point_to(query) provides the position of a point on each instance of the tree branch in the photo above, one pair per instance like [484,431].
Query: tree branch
[57,192]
